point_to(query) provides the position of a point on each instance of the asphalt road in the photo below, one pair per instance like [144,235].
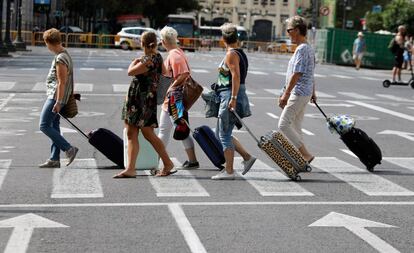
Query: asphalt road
[338,207]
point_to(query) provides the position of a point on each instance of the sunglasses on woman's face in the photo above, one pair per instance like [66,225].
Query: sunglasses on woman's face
[290,29]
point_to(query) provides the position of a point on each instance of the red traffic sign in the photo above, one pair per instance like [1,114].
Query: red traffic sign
[324,10]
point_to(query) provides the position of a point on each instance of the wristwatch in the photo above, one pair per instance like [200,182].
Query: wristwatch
[234,97]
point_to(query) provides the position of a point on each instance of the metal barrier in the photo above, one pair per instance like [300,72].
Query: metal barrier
[191,44]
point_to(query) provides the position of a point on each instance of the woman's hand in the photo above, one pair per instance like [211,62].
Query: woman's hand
[232,104]
[313,98]
[284,99]
[57,107]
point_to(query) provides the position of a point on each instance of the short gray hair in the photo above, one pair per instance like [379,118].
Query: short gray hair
[229,32]
[169,35]
[297,22]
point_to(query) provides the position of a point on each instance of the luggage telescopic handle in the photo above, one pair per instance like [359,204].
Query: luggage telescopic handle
[247,128]
[327,119]
[73,125]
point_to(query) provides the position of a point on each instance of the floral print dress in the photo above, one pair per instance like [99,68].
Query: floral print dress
[140,107]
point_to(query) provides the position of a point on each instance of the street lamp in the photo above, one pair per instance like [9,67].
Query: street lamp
[7,40]
[18,43]
[3,49]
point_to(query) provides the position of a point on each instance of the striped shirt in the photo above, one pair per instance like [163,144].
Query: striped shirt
[51,80]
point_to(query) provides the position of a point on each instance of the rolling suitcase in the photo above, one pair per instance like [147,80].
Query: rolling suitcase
[105,141]
[147,156]
[281,151]
[211,146]
[360,144]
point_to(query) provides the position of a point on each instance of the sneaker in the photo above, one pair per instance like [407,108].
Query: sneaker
[248,164]
[223,175]
[50,164]
[71,154]
[187,165]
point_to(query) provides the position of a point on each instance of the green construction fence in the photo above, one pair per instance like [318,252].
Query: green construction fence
[335,46]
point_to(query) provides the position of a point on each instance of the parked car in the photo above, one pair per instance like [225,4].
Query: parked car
[281,46]
[130,37]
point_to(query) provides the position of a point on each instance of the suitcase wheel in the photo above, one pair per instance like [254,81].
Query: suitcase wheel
[370,169]
[153,172]
[308,168]
[296,178]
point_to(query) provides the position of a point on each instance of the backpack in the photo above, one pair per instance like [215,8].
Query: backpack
[393,46]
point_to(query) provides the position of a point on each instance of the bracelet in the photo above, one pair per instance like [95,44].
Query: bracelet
[234,97]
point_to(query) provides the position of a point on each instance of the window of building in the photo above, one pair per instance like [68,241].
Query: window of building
[242,1]
[263,2]
[217,1]
[226,1]
[285,2]
[256,2]
[272,2]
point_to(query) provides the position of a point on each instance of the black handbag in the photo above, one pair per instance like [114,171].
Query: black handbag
[212,104]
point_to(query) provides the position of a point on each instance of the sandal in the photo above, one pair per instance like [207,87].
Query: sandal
[162,173]
[122,175]
[311,159]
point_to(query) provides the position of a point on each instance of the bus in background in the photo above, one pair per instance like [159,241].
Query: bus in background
[213,33]
[185,25]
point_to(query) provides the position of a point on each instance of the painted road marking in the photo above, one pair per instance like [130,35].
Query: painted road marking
[394,98]
[83,87]
[272,115]
[319,75]
[181,184]
[280,73]
[355,95]
[79,180]
[307,132]
[200,71]
[253,72]
[371,78]
[276,92]
[190,236]
[250,93]
[4,168]
[120,87]
[342,77]
[404,162]
[324,95]
[6,101]
[7,85]
[269,182]
[28,69]
[384,110]
[39,86]
[115,69]
[368,183]
[87,69]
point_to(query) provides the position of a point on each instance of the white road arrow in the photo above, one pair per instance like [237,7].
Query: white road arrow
[23,229]
[357,226]
[406,135]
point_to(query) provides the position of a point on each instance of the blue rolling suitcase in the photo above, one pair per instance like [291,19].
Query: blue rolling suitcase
[211,146]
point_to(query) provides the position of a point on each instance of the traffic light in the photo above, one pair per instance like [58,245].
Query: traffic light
[299,10]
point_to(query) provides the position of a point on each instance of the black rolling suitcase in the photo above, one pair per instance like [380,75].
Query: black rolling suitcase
[104,140]
[360,144]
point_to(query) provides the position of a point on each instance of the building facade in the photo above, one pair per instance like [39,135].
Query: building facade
[263,19]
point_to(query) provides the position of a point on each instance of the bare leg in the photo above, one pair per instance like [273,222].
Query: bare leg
[240,149]
[159,147]
[133,149]
[394,73]
[308,156]
[399,74]
[229,156]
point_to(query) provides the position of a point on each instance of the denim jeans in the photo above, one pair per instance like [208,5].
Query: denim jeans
[226,119]
[49,125]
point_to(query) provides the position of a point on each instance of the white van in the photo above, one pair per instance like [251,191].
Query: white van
[130,37]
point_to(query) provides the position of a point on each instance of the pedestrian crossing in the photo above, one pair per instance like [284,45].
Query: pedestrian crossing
[82,179]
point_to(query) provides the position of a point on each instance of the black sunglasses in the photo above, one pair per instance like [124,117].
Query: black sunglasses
[290,29]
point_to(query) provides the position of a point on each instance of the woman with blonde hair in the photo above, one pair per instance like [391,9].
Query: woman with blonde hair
[176,66]
[140,108]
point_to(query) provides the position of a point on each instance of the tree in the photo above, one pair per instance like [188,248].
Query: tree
[399,12]
[374,21]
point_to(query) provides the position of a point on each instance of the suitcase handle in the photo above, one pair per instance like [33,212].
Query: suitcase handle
[74,126]
[247,128]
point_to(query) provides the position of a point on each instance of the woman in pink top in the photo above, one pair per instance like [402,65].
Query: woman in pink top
[176,66]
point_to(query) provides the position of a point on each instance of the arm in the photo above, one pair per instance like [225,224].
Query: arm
[292,82]
[62,76]
[232,61]
[178,81]
[137,67]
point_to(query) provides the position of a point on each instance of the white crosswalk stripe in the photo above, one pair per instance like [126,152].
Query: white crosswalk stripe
[394,98]
[39,86]
[355,95]
[87,69]
[182,184]
[83,87]
[321,94]
[6,85]
[342,76]
[115,69]
[368,183]
[254,72]
[250,93]
[273,91]
[4,168]
[404,162]
[200,71]
[319,75]
[371,78]
[272,115]
[79,180]
[122,88]
[28,69]
[269,182]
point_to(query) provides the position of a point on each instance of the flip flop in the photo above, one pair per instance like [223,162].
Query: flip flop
[122,175]
[159,173]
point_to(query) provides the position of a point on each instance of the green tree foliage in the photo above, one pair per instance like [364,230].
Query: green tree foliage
[399,12]
[374,21]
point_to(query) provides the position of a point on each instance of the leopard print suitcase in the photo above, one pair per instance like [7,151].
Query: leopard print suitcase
[284,154]
[281,151]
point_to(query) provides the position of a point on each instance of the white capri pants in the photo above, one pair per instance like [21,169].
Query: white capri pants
[290,122]
[165,128]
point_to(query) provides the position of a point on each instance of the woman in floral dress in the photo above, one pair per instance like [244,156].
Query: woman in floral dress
[140,108]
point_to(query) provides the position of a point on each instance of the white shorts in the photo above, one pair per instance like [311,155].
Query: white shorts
[358,56]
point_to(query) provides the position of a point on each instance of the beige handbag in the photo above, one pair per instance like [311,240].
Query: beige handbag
[70,110]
